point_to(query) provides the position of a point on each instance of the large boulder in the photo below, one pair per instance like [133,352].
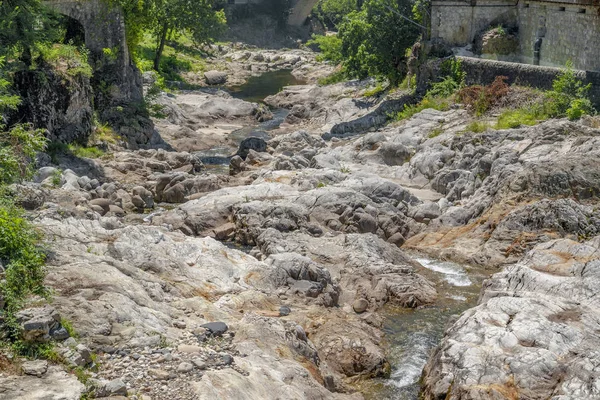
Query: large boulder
[215,77]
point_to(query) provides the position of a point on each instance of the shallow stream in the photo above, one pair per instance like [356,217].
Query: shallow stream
[411,335]
[256,89]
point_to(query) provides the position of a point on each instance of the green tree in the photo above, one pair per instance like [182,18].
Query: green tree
[23,24]
[332,12]
[199,18]
[8,101]
[376,38]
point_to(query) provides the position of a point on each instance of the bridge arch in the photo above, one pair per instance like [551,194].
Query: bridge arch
[300,10]
[116,80]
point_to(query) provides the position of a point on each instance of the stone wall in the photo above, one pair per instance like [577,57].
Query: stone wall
[483,72]
[565,30]
[457,22]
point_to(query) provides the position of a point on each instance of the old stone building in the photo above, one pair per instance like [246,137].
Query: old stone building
[547,33]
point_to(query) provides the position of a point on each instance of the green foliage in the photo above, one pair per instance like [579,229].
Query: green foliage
[336,77]
[111,54]
[67,58]
[436,103]
[477,127]
[409,82]
[330,46]
[452,68]
[35,351]
[375,91]
[527,116]
[8,101]
[375,39]
[85,152]
[569,96]
[420,10]
[74,149]
[500,30]
[332,12]
[57,178]
[19,245]
[69,327]
[82,375]
[18,147]
[445,88]
[104,133]
[179,56]
[24,24]
[197,18]
[578,108]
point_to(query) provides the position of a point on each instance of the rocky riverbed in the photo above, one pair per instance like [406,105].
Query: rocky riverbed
[306,268]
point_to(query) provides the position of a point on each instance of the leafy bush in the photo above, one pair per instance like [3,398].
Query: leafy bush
[18,147]
[569,96]
[8,101]
[452,67]
[67,58]
[578,108]
[332,12]
[330,46]
[19,248]
[375,39]
[445,88]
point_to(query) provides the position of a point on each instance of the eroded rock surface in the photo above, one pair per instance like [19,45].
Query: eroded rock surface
[534,334]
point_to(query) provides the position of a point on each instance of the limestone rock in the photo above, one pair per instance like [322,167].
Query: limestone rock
[35,368]
[215,77]
[54,384]
[360,305]
[531,315]
[36,323]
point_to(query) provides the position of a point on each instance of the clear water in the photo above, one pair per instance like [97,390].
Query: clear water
[267,84]
[411,335]
[254,90]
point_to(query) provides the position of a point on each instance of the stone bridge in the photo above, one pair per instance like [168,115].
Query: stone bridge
[300,11]
[116,80]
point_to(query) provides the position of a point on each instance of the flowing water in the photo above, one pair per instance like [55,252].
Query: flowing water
[255,90]
[411,335]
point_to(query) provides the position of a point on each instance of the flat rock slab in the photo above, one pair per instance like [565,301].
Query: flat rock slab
[35,368]
[56,384]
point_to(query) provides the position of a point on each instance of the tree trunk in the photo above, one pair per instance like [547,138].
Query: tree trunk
[161,46]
